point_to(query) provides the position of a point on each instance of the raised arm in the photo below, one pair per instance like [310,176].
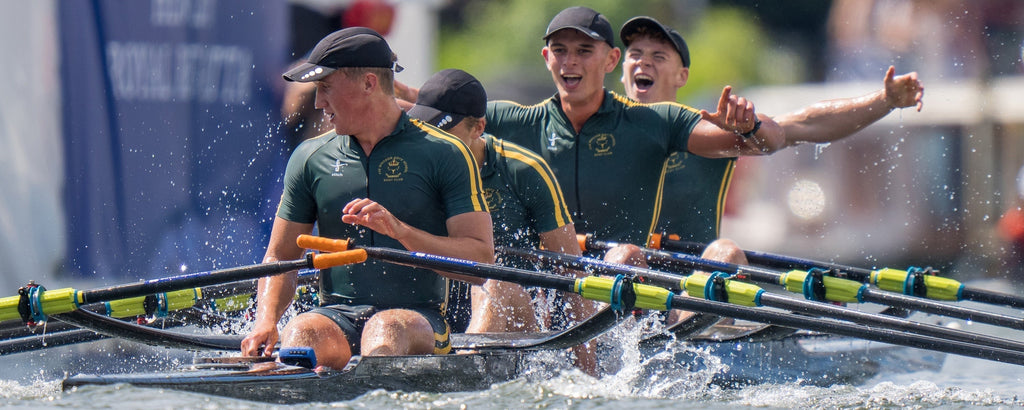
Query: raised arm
[733,130]
[831,120]
[405,95]
[469,234]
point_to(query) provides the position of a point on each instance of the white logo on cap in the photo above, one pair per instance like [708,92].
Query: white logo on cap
[444,121]
[313,72]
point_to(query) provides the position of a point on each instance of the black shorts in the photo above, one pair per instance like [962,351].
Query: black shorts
[352,318]
[459,308]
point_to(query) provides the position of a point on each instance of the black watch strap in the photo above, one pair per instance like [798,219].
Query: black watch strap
[757,126]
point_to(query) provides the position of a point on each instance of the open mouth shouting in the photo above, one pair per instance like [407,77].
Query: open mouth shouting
[643,82]
[572,80]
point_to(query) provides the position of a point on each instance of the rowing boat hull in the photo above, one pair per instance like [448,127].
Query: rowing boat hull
[809,359]
[273,382]
[802,358]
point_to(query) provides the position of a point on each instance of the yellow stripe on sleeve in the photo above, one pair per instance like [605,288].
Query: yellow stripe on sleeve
[529,158]
[658,198]
[723,191]
[475,183]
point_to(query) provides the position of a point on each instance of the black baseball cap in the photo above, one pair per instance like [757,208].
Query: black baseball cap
[586,21]
[349,47]
[448,97]
[636,23]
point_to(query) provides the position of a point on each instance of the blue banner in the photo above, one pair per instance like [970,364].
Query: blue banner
[171,128]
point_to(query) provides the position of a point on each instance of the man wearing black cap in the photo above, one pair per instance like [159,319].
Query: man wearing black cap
[656,65]
[524,199]
[382,179]
[608,151]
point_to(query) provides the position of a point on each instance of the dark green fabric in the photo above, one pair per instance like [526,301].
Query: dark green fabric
[611,171]
[524,200]
[522,194]
[422,175]
[694,198]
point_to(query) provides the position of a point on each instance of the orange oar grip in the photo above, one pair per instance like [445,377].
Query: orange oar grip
[582,239]
[330,260]
[322,244]
[655,241]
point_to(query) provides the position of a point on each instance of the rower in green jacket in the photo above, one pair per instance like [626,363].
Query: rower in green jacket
[607,151]
[656,66]
[526,206]
[382,179]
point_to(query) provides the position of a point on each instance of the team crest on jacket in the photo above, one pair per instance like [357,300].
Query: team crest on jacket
[493,198]
[675,162]
[601,144]
[392,168]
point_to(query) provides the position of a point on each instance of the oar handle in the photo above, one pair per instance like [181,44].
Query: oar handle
[330,260]
[322,244]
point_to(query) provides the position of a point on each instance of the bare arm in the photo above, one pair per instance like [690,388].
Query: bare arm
[405,95]
[469,234]
[831,120]
[275,293]
[717,134]
[561,240]
[564,240]
[297,96]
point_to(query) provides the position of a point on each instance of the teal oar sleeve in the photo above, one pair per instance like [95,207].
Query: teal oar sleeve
[901,281]
[836,289]
[605,289]
[740,293]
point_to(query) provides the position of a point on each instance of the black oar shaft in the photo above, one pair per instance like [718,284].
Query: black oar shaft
[666,279]
[781,302]
[938,308]
[774,260]
[150,335]
[596,266]
[36,342]
[192,280]
[852,272]
[469,268]
[848,329]
[35,303]
[530,278]
[992,298]
[764,275]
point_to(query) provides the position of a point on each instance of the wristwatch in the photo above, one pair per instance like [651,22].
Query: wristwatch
[748,134]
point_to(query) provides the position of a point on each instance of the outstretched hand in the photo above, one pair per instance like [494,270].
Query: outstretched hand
[734,114]
[903,91]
